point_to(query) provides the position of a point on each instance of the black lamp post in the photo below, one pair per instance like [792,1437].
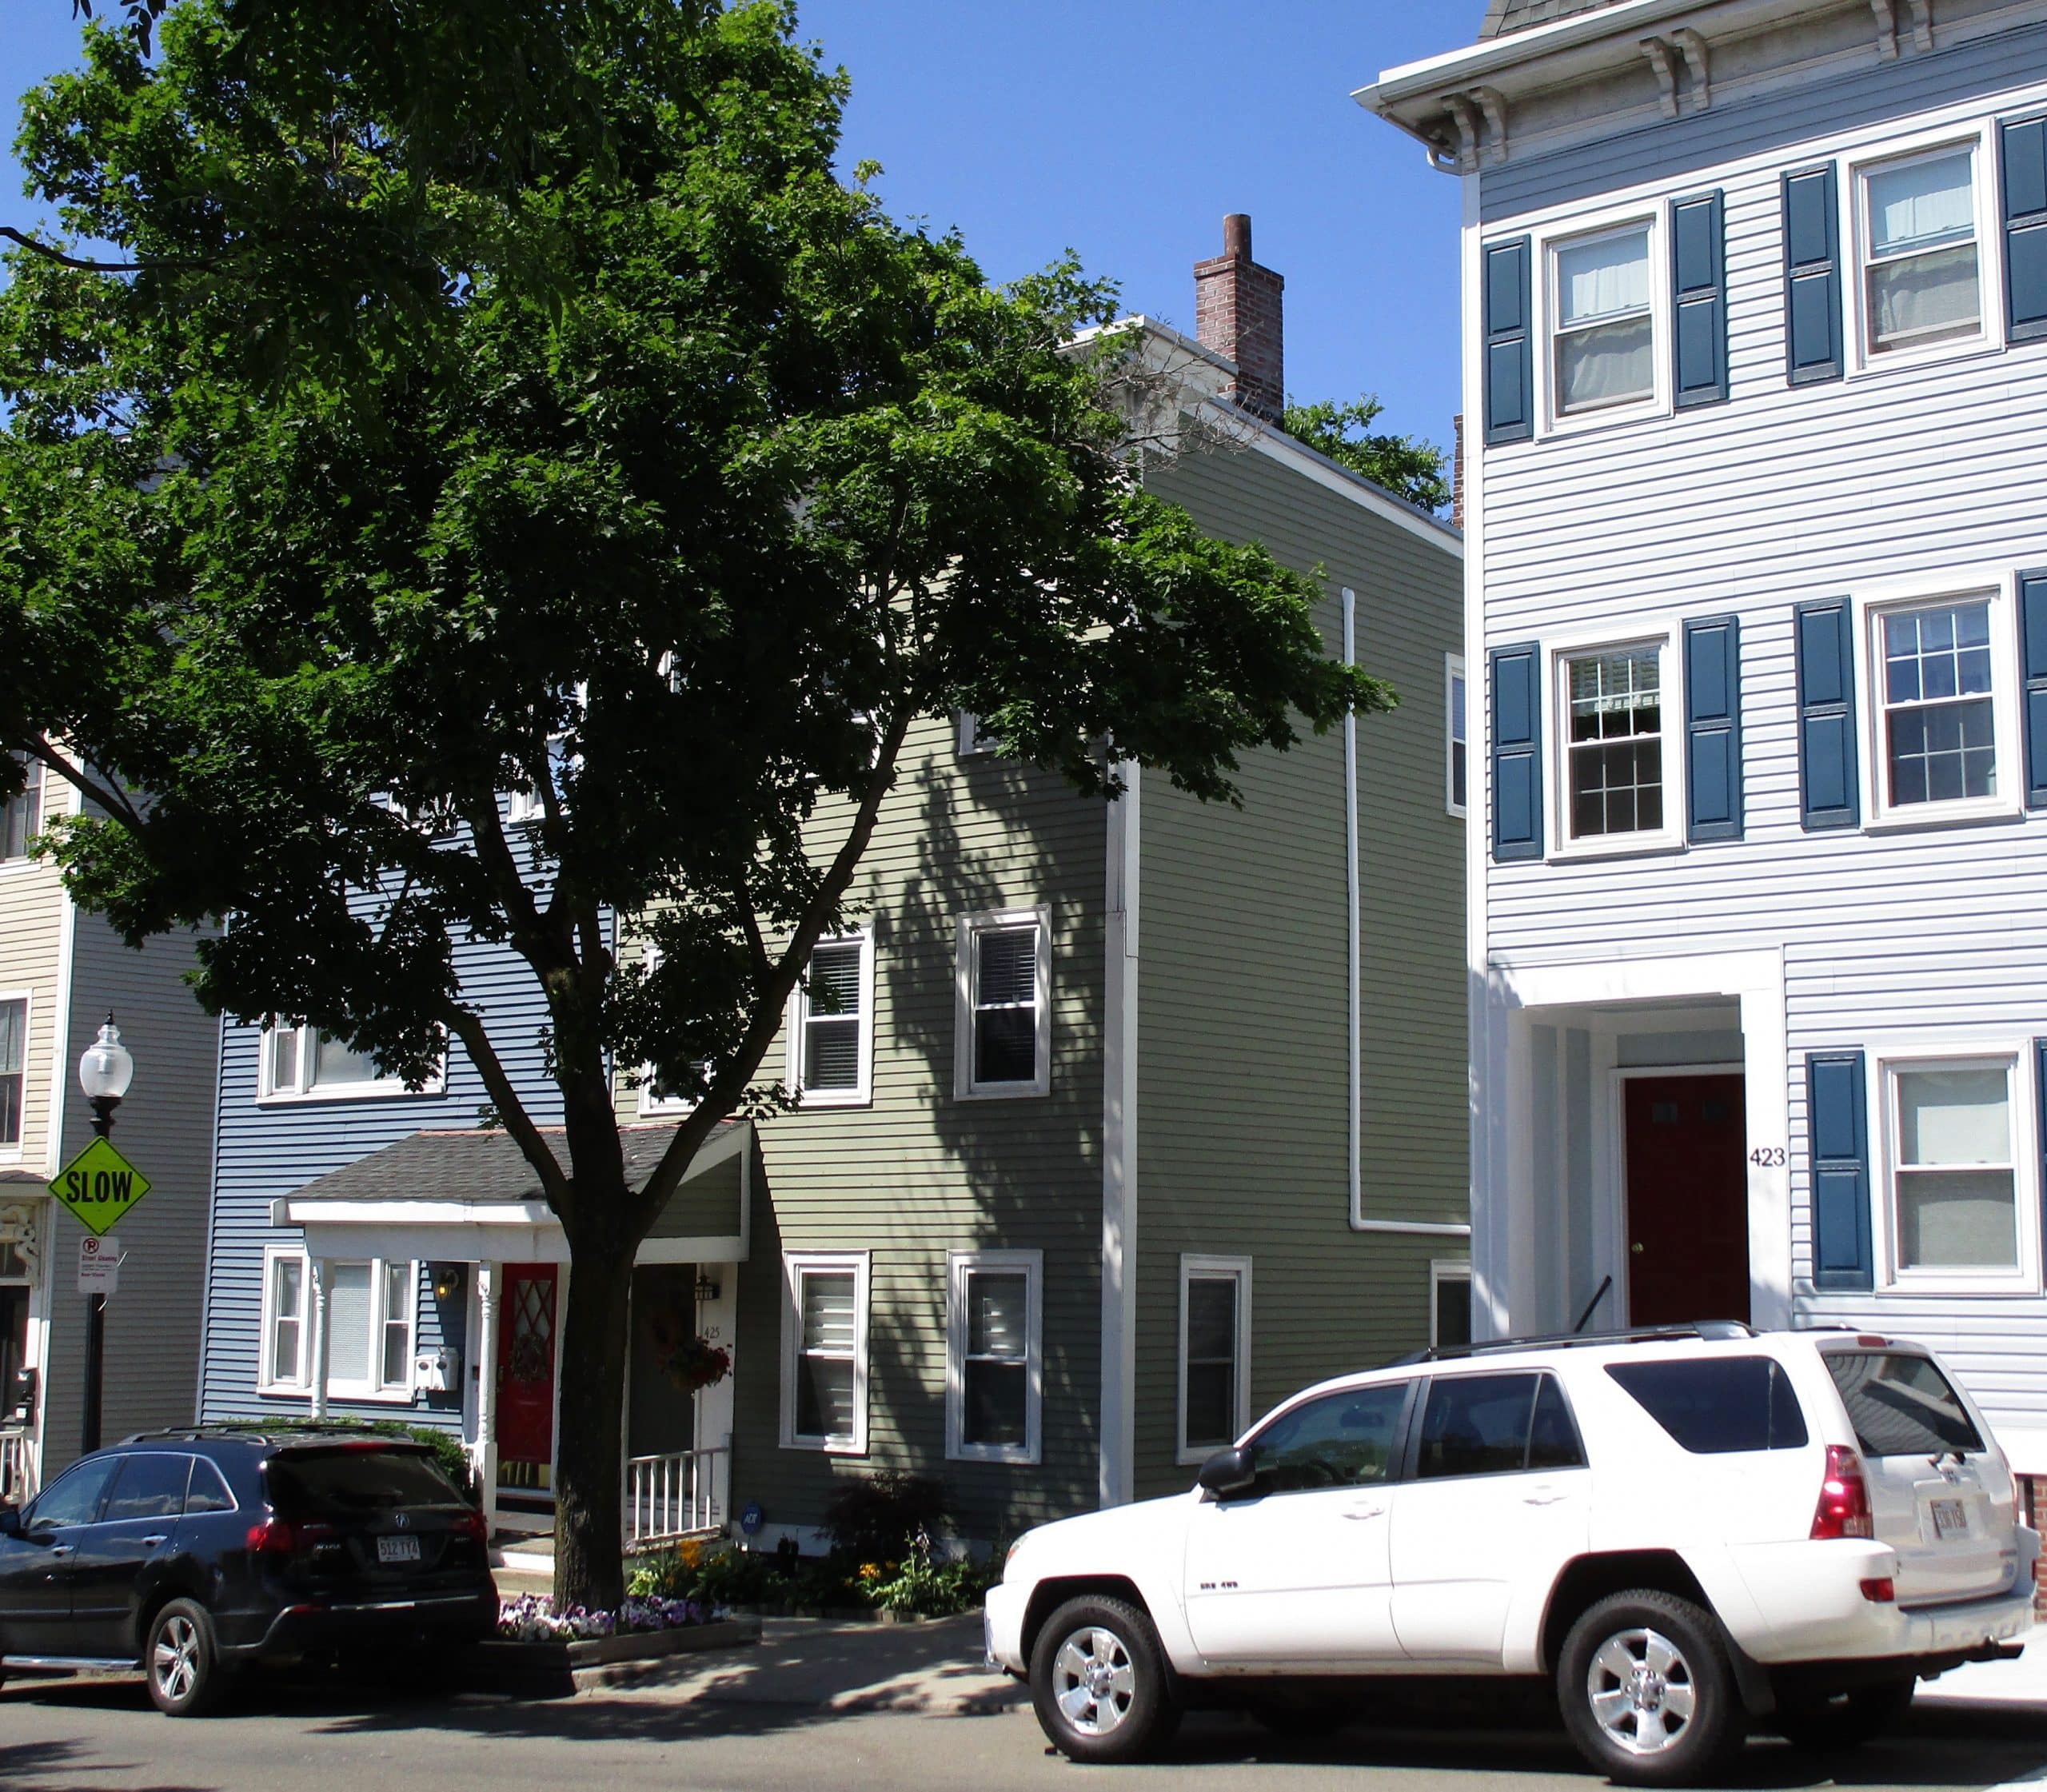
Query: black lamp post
[104,1070]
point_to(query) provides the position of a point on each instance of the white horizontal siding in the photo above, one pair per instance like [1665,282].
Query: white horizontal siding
[1749,507]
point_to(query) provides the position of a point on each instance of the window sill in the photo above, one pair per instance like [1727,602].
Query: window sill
[810,1098]
[351,1092]
[1004,1091]
[826,1446]
[2009,1286]
[1932,817]
[1650,847]
[1016,1457]
[1195,1457]
[1869,366]
[1615,417]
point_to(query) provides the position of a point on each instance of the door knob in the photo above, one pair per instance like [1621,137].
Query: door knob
[1636,1249]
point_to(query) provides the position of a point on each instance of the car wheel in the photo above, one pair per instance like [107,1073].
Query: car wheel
[181,1660]
[1099,1682]
[1646,1690]
[1845,1721]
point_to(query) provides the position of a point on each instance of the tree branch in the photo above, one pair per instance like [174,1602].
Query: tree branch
[110,796]
[469,1027]
[85,265]
[725,1092]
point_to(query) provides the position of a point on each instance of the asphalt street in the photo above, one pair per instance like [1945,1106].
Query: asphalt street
[820,1709]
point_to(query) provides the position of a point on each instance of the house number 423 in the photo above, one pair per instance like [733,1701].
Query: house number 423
[1768,1157]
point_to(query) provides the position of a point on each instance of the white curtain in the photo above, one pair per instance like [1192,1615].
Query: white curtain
[1922,204]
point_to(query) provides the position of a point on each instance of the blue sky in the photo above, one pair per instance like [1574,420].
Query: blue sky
[1125,131]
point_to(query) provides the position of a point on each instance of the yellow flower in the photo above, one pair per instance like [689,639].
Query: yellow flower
[692,1553]
[870,1570]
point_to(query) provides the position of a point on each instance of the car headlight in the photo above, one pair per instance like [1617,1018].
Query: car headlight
[1011,1556]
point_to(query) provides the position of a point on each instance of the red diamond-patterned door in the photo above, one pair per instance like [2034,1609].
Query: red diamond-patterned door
[526,1376]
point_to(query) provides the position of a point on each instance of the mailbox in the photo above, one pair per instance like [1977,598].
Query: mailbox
[19,1396]
[437,1371]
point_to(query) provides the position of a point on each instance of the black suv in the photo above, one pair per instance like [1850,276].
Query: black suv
[189,1553]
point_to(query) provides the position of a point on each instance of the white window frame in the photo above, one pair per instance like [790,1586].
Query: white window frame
[367,1389]
[12,1154]
[1550,309]
[961,1265]
[796,1026]
[2015,1056]
[652,1105]
[972,744]
[1557,656]
[268,1091]
[971,928]
[1453,676]
[1981,140]
[1871,604]
[1195,1264]
[794,1265]
[1442,1270]
[43,813]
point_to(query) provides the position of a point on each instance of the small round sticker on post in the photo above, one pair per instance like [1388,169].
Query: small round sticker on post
[751,1520]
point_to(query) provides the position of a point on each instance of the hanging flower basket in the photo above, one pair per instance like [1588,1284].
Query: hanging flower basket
[696,1364]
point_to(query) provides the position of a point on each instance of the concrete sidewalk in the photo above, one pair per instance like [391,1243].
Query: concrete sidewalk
[2019,1685]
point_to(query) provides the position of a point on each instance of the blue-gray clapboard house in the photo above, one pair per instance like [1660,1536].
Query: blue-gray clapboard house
[1755,328]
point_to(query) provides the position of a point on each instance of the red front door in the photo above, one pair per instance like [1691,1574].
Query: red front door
[1687,1200]
[526,1376]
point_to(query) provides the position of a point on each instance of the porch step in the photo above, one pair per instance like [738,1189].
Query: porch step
[524,1554]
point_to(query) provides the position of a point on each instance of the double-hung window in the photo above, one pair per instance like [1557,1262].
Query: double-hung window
[1920,238]
[1457,741]
[1215,1403]
[372,1311]
[1960,1213]
[14,1064]
[1617,747]
[1603,305]
[1003,1017]
[994,1379]
[832,1023]
[824,1325]
[21,815]
[303,1063]
[1940,666]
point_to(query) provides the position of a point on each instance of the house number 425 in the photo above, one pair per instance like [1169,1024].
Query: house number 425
[1768,1157]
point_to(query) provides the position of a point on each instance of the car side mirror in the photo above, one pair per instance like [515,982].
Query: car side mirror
[11,1521]
[1228,1472]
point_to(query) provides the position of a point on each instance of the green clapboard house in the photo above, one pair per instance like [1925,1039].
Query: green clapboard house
[1125,1119]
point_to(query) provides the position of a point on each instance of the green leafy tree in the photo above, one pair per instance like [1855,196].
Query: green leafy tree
[691,484]
[1405,466]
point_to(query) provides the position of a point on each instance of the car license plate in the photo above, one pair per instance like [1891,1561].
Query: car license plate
[406,1549]
[1950,1518]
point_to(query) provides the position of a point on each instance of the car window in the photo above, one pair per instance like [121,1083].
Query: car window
[1495,1425]
[151,1485]
[1340,1440]
[73,1497]
[208,1492]
[354,1483]
[1716,1406]
[1900,1404]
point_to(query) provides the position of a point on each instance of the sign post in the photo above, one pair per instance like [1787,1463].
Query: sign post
[98,1187]
[99,1264]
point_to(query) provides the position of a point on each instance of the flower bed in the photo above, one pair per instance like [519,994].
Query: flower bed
[531,1617]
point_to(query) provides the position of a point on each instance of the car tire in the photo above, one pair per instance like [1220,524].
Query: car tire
[182,1661]
[1846,1720]
[1099,1682]
[1647,1691]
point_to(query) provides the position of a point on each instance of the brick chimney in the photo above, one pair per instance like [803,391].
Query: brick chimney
[1238,313]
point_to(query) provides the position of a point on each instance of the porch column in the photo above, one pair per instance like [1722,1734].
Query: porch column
[323,1281]
[486,1370]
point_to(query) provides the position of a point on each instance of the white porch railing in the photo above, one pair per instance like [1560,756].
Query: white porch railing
[670,1496]
[17,1468]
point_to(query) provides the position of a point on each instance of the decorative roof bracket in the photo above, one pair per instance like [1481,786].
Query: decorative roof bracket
[1922,24]
[1658,53]
[1696,65]
[1493,103]
[1886,13]
[1464,116]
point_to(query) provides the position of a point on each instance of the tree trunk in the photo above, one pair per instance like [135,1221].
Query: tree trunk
[589,1544]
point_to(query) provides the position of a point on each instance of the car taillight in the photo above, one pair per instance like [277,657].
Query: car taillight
[1844,1507]
[1880,1591]
[471,1524]
[277,1536]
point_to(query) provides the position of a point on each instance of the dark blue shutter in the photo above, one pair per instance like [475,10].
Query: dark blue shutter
[1837,1118]
[1812,277]
[2039,1097]
[1713,728]
[1516,752]
[1699,265]
[2024,149]
[2032,643]
[1509,357]
[1828,791]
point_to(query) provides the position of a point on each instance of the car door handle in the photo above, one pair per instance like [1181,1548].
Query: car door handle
[151,1542]
[62,1548]
[1364,1512]
[1547,1496]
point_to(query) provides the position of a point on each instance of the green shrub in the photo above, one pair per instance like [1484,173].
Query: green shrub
[878,1517]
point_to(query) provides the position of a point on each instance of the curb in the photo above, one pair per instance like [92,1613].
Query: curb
[561,1670]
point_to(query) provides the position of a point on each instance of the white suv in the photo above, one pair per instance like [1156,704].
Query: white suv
[1683,1529]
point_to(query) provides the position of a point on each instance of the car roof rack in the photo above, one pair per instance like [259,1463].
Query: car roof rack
[1710,1331]
[260,1430]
